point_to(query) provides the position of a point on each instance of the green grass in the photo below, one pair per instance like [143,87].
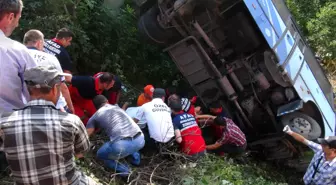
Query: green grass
[214,170]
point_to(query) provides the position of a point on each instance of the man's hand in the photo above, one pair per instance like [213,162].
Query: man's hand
[295,135]
[287,130]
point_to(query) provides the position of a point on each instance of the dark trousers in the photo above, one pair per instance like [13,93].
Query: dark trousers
[231,149]
[152,146]
[3,162]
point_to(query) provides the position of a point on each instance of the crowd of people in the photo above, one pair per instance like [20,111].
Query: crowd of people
[47,114]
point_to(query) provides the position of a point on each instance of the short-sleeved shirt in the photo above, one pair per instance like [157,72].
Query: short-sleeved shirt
[52,47]
[14,60]
[40,142]
[159,121]
[232,134]
[114,121]
[326,170]
[45,59]
[86,86]
[192,140]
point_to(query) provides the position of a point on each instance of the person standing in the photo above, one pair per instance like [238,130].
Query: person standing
[57,47]
[34,40]
[14,61]
[125,137]
[232,141]
[40,141]
[322,168]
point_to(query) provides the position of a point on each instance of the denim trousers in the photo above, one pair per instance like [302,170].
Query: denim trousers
[111,152]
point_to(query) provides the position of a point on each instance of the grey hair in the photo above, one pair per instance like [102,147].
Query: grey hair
[32,36]
[10,6]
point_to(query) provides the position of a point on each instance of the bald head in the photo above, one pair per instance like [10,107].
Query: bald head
[34,38]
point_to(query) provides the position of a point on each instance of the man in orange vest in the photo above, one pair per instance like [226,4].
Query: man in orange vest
[146,96]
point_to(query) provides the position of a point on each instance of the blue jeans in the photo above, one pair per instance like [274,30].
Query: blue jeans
[111,152]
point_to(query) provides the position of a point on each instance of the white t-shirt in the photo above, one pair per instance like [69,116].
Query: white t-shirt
[45,59]
[159,121]
[132,112]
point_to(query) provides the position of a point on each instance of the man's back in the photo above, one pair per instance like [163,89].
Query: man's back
[14,60]
[46,59]
[158,117]
[192,140]
[114,121]
[60,53]
[40,143]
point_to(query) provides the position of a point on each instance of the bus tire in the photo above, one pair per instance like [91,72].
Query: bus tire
[302,124]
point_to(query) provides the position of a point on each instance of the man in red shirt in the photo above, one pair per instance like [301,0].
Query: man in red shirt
[187,132]
[233,140]
[84,88]
[113,94]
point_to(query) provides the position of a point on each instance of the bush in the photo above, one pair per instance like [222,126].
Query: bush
[105,40]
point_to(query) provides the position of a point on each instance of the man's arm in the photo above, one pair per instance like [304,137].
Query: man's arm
[82,142]
[28,62]
[91,126]
[178,136]
[118,96]
[296,136]
[205,116]
[139,115]
[213,146]
[66,94]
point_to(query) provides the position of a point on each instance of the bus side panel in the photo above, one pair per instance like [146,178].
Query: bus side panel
[305,95]
[263,24]
[318,96]
[273,29]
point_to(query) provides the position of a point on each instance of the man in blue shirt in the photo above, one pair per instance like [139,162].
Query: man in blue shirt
[126,138]
[322,168]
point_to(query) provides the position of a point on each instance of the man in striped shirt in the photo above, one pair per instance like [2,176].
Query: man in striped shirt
[233,140]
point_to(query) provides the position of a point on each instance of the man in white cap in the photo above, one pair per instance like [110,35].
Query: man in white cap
[40,141]
[322,168]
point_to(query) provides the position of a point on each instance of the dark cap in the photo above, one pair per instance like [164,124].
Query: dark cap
[159,93]
[330,141]
[42,76]
[99,100]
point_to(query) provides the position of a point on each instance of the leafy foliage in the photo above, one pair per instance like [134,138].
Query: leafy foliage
[105,39]
[317,21]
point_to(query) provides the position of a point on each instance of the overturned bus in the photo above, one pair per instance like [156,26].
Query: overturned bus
[250,56]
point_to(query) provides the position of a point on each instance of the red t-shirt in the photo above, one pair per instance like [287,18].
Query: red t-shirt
[192,140]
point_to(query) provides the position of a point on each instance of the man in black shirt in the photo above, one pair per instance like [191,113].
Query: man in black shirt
[57,45]
[84,88]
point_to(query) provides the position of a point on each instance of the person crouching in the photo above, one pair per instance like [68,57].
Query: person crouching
[126,138]
[233,140]
[187,132]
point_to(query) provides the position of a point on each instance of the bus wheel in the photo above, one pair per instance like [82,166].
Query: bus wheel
[302,124]
[150,28]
